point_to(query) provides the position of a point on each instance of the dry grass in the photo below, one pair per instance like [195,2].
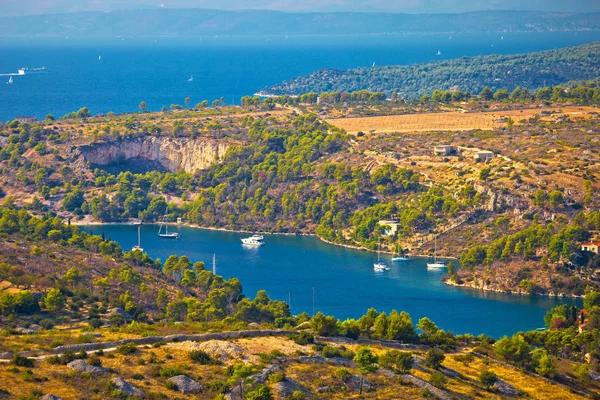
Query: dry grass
[447,121]
[535,388]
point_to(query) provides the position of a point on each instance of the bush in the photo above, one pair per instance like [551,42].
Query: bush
[343,374]
[95,323]
[218,387]
[298,395]
[46,323]
[138,377]
[117,320]
[95,361]
[438,380]
[127,348]
[276,377]
[262,392]
[348,354]
[303,338]
[398,361]
[84,339]
[330,352]
[434,358]
[171,385]
[21,361]
[487,378]
[268,358]
[465,359]
[201,357]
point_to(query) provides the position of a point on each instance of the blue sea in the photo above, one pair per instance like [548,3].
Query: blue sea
[117,74]
[342,281]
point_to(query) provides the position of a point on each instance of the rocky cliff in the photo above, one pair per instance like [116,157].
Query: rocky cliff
[172,154]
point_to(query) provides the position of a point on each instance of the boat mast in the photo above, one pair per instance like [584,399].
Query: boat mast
[313,313]
[139,237]
[435,249]
[214,271]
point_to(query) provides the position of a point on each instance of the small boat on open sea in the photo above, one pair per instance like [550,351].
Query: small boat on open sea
[10,81]
[167,234]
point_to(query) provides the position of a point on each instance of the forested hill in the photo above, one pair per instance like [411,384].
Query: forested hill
[531,70]
[195,22]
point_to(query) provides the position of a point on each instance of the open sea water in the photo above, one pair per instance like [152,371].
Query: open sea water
[117,74]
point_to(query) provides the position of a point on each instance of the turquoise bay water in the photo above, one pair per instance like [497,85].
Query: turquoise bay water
[157,70]
[344,282]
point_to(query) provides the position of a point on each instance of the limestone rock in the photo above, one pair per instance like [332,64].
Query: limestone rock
[594,376]
[172,154]
[121,312]
[186,384]
[50,397]
[286,388]
[506,389]
[82,366]
[264,374]
[127,388]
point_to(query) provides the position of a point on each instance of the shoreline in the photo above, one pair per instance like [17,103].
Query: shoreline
[209,228]
[511,292]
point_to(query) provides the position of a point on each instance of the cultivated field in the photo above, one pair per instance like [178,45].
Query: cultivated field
[451,121]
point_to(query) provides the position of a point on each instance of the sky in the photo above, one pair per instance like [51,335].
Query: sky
[25,7]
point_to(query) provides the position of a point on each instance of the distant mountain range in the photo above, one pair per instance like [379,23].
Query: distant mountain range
[530,70]
[198,22]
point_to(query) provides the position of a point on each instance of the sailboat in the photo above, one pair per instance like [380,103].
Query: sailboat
[400,257]
[435,264]
[10,81]
[167,234]
[139,244]
[379,265]
[191,79]
[439,53]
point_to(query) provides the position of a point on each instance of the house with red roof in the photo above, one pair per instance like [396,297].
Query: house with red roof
[591,246]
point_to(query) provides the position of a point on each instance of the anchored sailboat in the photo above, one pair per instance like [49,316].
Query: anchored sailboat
[435,264]
[167,234]
[379,265]
[139,244]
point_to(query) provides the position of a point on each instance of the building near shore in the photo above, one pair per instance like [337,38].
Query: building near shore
[593,247]
[394,226]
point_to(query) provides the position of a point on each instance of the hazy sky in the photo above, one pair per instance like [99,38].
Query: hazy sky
[23,7]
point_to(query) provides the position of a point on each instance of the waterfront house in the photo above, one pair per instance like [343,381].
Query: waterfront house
[484,155]
[394,226]
[23,119]
[444,150]
[591,247]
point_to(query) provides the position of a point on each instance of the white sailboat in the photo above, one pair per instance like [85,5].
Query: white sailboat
[10,81]
[167,234]
[191,79]
[439,53]
[379,265]
[435,264]
[139,244]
